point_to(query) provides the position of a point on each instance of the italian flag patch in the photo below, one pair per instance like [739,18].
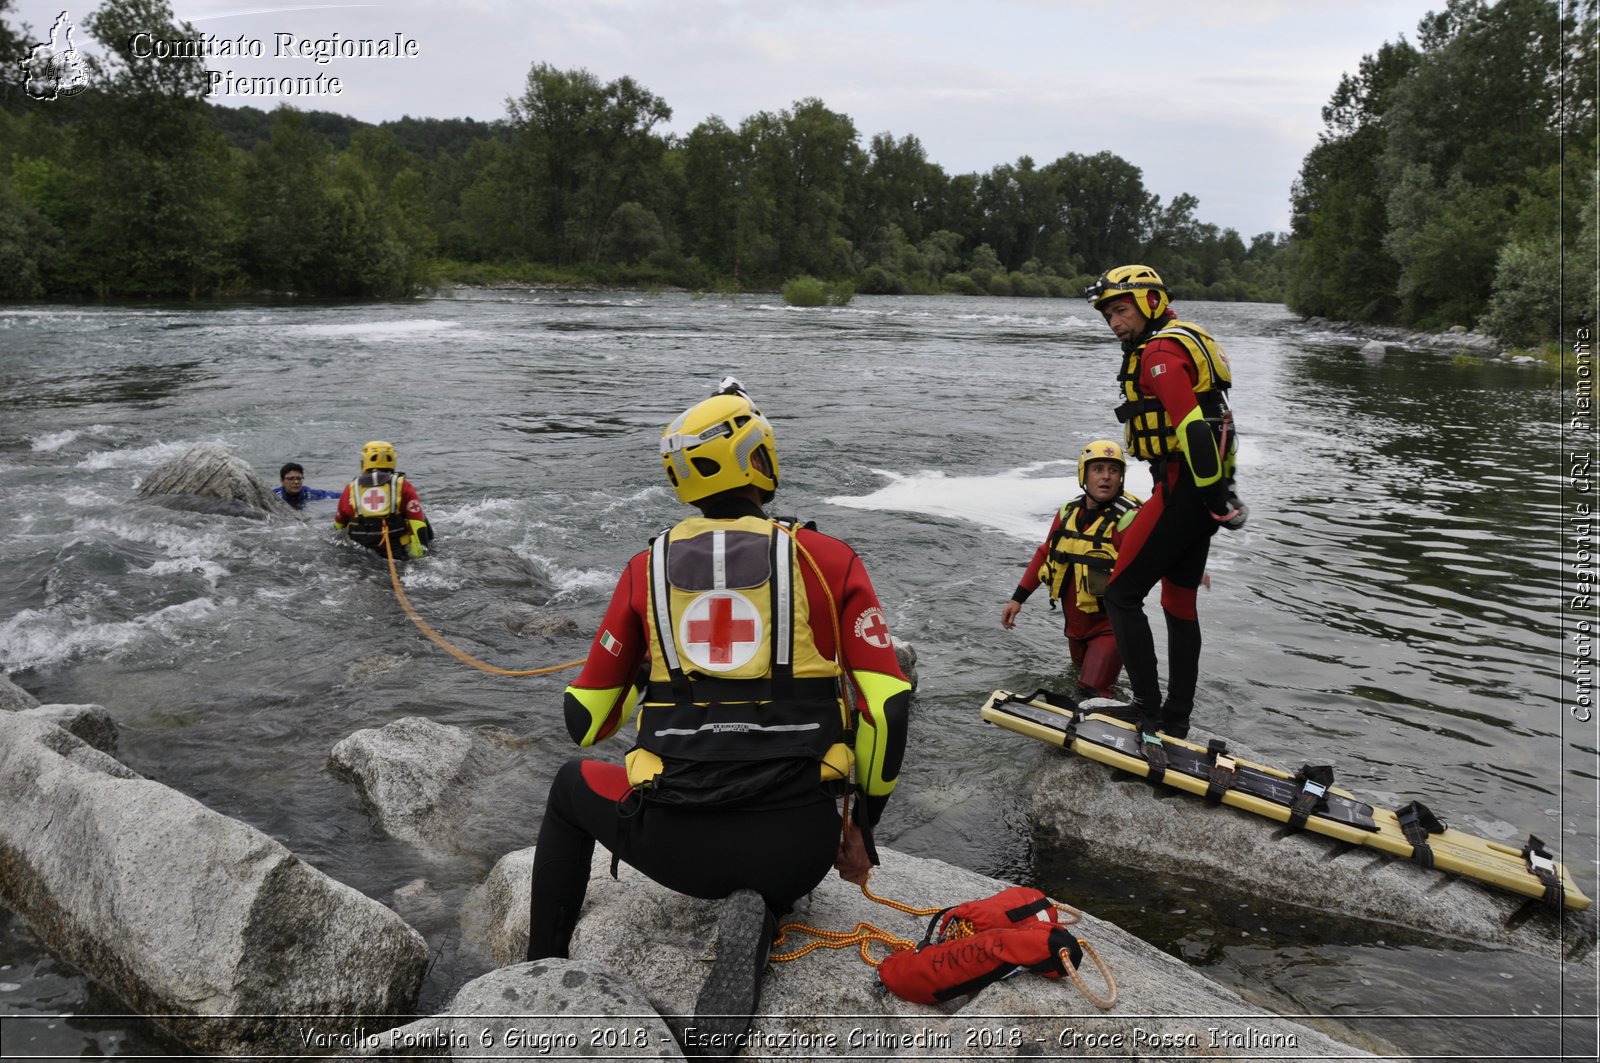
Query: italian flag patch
[610,643]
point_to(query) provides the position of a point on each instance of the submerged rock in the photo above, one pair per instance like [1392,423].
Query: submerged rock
[214,930]
[828,1004]
[210,478]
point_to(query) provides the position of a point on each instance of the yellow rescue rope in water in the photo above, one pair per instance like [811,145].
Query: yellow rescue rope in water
[459,654]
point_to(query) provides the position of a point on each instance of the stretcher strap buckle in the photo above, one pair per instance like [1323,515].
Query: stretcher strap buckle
[1305,802]
[1155,757]
[1224,769]
[1542,865]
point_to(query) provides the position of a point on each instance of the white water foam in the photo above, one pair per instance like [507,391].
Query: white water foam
[34,638]
[380,331]
[188,552]
[574,584]
[138,457]
[1017,502]
[55,440]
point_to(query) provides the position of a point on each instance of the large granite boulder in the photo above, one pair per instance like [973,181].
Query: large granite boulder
[225,938]
[13,697]
[210,478]
[557,1008]
[828,1004]
[1093,814]
[441,788]
[92,723]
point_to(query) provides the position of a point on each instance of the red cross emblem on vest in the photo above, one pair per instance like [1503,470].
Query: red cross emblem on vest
[720,631]
[375,499]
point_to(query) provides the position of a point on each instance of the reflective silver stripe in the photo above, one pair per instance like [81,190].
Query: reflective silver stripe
[719,560]
[783,599]
[661,602]
[683,732]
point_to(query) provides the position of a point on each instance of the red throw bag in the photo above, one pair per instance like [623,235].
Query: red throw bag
[958,966]
[1017,904]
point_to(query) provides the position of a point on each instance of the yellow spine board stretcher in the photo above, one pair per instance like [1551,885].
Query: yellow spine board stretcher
[1295,799]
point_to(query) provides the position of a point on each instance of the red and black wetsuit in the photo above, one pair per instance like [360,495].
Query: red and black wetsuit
[779,843]
[1090,640]
[1170,539]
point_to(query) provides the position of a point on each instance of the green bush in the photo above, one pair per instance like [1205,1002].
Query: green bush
[1060,287]
[961,284]
[999,284]
[1030,286]
[879,281]
[839,292]
[804,291]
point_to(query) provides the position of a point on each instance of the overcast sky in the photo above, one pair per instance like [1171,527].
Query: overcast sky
[1219,99]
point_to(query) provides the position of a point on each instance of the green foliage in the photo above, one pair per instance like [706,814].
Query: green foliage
[632,233]
[804,291]
[809,291]
[961,284]
[140,186]
[1539,281]
[29,245]
[1434,195]
[588,148]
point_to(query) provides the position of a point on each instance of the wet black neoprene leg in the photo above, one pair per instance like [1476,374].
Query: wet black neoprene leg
[560,869]
[1124,603]
[1183,674]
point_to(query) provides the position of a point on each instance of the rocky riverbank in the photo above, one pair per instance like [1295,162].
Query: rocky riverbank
[1376,340]
[198,919]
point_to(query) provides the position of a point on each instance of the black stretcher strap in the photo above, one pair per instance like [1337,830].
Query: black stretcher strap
[1246,780]
[1224,770]
[1154,753]
[1313,795]
[1541,863]
[1417,821]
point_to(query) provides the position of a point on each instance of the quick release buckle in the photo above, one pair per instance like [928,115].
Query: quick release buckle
[1220,777]
[1541,861]
[1305,802]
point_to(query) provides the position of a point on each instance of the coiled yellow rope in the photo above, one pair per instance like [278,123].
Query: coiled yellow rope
[459,654]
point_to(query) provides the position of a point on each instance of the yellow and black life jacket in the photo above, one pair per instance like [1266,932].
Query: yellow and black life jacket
[1149,431]
[1084,554]
[735,675]
[377,498]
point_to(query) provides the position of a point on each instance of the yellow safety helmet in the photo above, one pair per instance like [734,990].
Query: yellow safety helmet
[710,447]
[1141,282]
[1099,450]
[377,455]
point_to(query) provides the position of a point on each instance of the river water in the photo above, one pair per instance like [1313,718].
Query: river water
[1391,606]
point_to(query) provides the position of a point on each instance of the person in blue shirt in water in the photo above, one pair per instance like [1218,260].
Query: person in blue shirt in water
[293,490]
